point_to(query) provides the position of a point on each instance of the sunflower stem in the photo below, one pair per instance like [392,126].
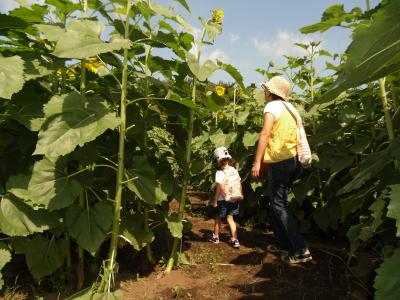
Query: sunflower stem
[108,279]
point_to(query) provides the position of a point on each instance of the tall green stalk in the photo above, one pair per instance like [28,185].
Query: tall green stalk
[234,107]
[388,117]
[395,96]
[149,253]
[108,280]
[368,4]
[314,127]
[186,174]
[185,182]
[80,271]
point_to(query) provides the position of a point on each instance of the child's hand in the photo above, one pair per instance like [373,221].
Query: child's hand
[215,204]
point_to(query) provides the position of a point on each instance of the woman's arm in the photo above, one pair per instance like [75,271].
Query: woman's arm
[262,143]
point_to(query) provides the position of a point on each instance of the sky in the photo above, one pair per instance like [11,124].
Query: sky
[258,31]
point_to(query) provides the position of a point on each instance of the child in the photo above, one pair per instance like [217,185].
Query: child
[226,202]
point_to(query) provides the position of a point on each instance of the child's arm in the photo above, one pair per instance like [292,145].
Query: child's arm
[217,191]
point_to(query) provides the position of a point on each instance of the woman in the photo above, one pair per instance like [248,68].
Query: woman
[277,148]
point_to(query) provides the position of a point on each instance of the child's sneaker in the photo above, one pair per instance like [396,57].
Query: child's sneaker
[301,258]
[234,243]
[214,239]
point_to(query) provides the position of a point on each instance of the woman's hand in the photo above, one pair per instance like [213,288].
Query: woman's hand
[255,170]
[215,204]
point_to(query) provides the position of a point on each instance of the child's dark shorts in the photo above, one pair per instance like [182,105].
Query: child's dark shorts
[227,208]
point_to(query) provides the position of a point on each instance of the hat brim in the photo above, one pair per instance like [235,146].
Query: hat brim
[264,85]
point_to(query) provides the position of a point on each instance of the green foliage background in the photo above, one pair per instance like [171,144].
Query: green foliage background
[64,101]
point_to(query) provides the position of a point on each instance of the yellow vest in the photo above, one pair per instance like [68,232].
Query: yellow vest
[282,140]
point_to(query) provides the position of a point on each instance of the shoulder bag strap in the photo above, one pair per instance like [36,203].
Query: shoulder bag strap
[292,114]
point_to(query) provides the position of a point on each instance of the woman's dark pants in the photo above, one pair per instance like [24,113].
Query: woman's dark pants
[280,178]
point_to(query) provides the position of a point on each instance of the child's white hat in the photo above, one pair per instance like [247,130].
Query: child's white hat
[221,152]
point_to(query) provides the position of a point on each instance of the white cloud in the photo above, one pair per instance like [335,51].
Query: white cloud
[7,5]
[233,38]
[219,54]
[283,44]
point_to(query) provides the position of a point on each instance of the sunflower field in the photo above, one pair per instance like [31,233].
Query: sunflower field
[100,135]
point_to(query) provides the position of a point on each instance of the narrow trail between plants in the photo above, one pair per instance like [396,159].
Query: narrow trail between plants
[218,271]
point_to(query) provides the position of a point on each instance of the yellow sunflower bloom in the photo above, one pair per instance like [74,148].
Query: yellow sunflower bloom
[71,73]
[39,40]
[94,64]
[217,15]
[220,90]
[91,67]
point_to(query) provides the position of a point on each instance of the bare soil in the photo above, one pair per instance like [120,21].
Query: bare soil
[218,271]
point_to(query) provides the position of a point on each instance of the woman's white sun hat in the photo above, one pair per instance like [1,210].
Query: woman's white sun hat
[221,152]
[277,85]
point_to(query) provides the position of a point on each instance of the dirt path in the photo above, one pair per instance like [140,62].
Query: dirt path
[222,272]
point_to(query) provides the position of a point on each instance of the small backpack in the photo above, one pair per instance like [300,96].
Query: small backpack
[231,187]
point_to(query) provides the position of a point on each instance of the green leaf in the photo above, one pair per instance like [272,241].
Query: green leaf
[89,226]
[369,168]
[167,12]
[394,206]
[51,32]
[332,16]
[352,203]
[81,39]
[387,281]
[5,255]
[242,117]
[145,10]
[19,244]
[213,102]
[28,108]
[47,186]
[341,163]
[221,139]
[184,4]
[374,52]
[172,96]
[250,139]
[235,74]
[145,186]
[212,29]
[9,22]
[201,72]
[44,256]
[183,259]
[64,7]
[30,13]
[73,120]
[35,67]
[353,236]
[19,219]
[328,215]
[90,294]
[376,208]
[206,70]
[394,148]
[192,62]
[175,225]
[11,76]
[182,22]
[133,231]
